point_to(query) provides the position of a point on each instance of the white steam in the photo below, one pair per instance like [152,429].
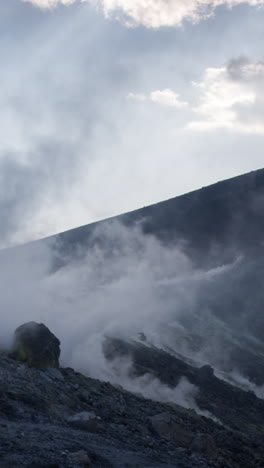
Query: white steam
[239,380]
[126,284]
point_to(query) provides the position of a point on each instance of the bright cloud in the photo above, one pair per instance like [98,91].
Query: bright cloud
[48,4]
[166,98]
[228,97]
[231,97]
[154,13]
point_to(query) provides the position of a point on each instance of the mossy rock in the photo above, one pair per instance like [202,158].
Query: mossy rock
[35,344]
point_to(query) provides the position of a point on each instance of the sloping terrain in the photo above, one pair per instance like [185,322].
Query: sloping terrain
[219,400]
[38,428]
[220,229]
[215,223]
[165,303]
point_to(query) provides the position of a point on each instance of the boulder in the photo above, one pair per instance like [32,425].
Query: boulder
[86,421]
[206,372]
[80,458]
[36,345]
[204,444]
[168,428]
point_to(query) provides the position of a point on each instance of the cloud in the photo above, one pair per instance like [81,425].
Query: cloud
[30,190]
[54,127]
[48,4]
[166,98]
[73,148]
[242,69]
[228,97]
[155,13]
[231,97]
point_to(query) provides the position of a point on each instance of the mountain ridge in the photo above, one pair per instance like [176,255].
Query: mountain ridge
[224,216]
[250,179]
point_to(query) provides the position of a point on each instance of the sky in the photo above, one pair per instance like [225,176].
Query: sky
[111,105]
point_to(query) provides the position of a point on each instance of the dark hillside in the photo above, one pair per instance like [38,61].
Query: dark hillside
[215,223]
[213,226]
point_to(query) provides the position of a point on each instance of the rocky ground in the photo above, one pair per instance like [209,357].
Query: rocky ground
[236,409]
[60,418]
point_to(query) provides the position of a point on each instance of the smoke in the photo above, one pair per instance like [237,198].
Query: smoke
[148,386]
[125,283]
[245,384]
[120,372]
[237,379]
[112,288]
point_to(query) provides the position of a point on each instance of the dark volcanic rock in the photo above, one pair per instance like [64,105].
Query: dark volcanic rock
[35,344]
[169,428]
[229,404]
[215,222]
[148,434]
[87,421]
[80,458]
[205,444]
[206,372]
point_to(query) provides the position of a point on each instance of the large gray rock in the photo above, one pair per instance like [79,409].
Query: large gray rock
[168,428]
[80,458]
[205,445]
[87,421]
[35,344]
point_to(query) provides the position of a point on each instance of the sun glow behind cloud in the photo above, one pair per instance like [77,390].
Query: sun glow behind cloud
[229,102]
[228,97]
[165,97]
[154,13]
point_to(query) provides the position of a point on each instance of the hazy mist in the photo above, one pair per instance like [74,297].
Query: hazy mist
[125,284]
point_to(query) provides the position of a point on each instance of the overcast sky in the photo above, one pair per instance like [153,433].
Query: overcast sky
[110,105]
